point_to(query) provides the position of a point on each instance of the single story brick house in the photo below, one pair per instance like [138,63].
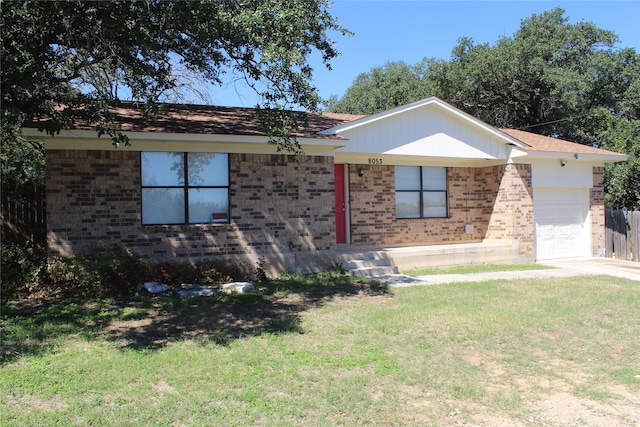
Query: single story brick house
[202,182]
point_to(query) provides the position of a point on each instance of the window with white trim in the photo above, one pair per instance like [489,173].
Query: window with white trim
[421,192]
[184,188]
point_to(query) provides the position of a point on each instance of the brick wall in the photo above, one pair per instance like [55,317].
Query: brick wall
[596,205]
[495,200]
[281,208]
[512,216]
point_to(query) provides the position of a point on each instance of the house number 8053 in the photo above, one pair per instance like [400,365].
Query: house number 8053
[374,161]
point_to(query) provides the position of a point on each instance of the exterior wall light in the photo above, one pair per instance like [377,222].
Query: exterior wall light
[563,163]
[361,172]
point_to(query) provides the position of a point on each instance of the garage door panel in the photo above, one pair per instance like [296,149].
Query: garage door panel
[561,223]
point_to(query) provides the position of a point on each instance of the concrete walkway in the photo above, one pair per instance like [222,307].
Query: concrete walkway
[562,268]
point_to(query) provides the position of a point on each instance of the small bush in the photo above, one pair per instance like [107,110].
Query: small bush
[118,274]
[114,274]
[22,269]
[207,272]
[259,272]
[25,272]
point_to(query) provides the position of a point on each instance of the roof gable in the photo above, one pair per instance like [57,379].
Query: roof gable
[433,101]
[425,129]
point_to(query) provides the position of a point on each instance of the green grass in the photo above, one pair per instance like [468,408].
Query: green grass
[475,268]
[329,350]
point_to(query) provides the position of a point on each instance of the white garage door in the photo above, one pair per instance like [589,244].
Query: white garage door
[562,230]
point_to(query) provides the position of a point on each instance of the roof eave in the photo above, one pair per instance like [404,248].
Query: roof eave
[608,158]
[72,139]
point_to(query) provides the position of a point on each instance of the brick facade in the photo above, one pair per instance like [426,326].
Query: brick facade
[497,201]
[282,209]
[597,211]
[512,215]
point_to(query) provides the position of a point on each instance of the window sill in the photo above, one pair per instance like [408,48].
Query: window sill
[424,218]
[186,227]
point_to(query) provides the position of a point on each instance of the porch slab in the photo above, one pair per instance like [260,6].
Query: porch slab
[445,255]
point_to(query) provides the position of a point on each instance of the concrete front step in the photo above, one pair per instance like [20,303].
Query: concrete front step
[364,255]
[373,271]
[368,263]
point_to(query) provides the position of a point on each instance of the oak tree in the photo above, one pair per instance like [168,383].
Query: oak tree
[64,61]
[551,77]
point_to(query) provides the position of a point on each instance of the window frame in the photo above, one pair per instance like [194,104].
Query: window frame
[185,189]
[421,191]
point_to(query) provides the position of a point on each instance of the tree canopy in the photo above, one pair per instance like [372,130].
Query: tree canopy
[64,61]
[551,77]
[383,88]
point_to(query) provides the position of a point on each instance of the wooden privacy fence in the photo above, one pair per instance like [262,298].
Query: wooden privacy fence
[623,234]
[23,215]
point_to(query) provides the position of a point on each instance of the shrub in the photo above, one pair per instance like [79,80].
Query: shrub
[118,273]
[25,272]
[207,272]
[105,274]
[22,269]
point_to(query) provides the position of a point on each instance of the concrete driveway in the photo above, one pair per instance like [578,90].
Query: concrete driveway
[563,268]
[611,267]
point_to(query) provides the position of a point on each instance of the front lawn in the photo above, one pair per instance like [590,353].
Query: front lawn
[331,350]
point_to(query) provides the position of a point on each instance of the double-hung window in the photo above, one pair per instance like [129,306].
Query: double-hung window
[421,192]
[185,188]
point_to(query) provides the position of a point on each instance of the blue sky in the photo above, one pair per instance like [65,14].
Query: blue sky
[408,31]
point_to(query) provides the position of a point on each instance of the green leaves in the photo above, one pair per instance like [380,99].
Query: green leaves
[70,61]
[383,88]
[551,77]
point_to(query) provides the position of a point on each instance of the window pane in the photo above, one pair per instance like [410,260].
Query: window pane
[162,169]
[162,206]
[208,205]
[408,205]
[434,178]
[434,205]
[208,169]
[407,178]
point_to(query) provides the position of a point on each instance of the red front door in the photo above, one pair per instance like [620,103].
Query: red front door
[341,210]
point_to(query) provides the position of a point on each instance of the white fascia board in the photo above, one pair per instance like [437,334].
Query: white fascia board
[407,160]
[607,158]
[155,141]
[418,104]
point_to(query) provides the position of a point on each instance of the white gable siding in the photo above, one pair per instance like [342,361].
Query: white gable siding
[424,132]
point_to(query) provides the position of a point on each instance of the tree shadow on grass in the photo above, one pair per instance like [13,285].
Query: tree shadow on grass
[153,322]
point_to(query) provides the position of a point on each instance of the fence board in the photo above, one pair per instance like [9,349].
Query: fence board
[23,215]
[608,220]
[622,234]
[635,235]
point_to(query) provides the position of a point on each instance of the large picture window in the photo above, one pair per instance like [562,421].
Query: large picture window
[185,188]
[421,192]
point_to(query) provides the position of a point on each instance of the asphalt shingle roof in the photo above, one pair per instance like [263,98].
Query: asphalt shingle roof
[204,119]
[535,142]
